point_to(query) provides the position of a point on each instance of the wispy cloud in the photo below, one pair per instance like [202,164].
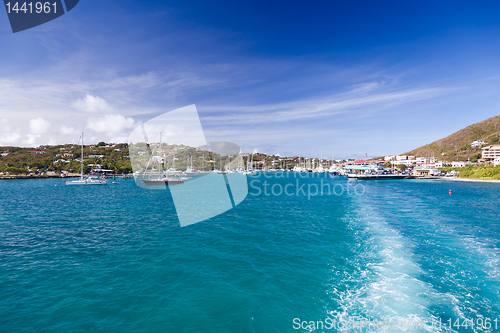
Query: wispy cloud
[309,109]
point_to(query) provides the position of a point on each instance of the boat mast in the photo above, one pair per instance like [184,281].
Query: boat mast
[81,168]
[159,153]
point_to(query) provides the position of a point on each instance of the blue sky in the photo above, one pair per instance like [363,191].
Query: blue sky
[280,77]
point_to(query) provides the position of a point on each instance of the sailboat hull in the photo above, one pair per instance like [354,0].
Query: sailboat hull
[86,182]
[163,182]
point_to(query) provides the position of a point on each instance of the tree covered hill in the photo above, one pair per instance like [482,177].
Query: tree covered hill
[18,160]
[458,144]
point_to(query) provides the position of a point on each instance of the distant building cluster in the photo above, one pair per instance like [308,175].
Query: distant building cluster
[489,154]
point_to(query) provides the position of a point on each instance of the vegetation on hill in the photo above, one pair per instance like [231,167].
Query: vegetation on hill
[16,160]
[477,171]
[458,144]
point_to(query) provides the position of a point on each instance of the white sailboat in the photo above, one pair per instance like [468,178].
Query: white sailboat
[250,170]
[86,180]
[190,172]
[171,176]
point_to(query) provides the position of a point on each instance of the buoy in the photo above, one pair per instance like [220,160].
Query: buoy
[450,192]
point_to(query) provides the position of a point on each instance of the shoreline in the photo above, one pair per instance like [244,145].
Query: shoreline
[11,177]
[30,177]
[470,179]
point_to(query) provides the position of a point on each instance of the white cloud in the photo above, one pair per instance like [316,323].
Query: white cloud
[33,140]
[67,130]
[92,104]
[111,124]
[8,135]
[39,126]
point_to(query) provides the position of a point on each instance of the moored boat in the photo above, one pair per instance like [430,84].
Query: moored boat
[86,180]
[163,181]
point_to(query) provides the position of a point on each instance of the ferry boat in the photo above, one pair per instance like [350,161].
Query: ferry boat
[375,176]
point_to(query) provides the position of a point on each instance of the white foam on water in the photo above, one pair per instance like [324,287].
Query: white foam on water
[473,257]
[390,290]
[394,291]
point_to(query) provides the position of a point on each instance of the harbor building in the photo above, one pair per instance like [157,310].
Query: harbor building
[426,172]
[490,153]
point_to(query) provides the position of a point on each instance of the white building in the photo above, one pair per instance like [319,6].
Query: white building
[422,160]
[404,157]
[402,162]
[477,143]
[441,164]
[459,164]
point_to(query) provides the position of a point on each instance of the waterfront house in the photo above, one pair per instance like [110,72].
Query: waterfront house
[420,172]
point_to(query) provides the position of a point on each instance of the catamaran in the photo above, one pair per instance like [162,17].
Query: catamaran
[86,180]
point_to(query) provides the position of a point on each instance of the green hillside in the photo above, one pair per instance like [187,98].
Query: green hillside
[16,160]
[487,130]
[21,161]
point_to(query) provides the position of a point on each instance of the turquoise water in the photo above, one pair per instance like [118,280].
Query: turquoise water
[114,258]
